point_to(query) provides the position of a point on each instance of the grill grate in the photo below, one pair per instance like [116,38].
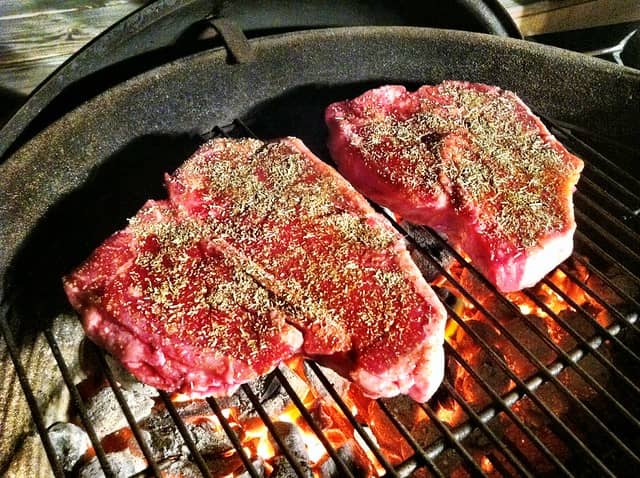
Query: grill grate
[607,214]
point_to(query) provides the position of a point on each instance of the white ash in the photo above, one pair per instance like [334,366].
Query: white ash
[105,413]
[166,441]
[349,457]
[209,439]
[338,382]
[70,443]
[181,467]
[258,466]
[122,463]
[298,384]
[292,438]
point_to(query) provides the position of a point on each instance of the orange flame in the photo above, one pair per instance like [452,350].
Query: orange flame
[486,465]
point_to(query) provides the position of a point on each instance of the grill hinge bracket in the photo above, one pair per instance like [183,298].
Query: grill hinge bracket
[234,40]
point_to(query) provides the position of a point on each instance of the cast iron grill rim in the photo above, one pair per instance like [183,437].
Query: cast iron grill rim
[612,240]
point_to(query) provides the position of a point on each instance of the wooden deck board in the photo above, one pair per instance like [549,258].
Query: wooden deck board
[36,36]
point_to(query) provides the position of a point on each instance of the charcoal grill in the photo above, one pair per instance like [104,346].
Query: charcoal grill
[98,163]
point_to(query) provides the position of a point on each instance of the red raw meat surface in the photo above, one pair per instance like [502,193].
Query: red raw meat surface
[262,251]
[313,241]
[472,162]
[162,297]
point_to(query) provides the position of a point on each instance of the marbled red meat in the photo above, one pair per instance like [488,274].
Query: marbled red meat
[313,241]
[262,251]
[472,162]
[163,297]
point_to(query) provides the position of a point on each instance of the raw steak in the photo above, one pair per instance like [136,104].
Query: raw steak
[472,162]
[316,244]
[162,297]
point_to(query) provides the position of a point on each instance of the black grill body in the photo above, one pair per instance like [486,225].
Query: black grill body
[80,178]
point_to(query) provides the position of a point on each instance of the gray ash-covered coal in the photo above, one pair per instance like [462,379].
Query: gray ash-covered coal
[425,249]
[122,463]
[105,413]
[158,428]
[293,439]
[165,440]
[269,392]
[70,443]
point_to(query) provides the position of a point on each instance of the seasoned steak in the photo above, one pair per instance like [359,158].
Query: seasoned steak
[315,243]
[472,162]
[163,297]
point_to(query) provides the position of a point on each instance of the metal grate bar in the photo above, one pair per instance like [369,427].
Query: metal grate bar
[582,148]
[283,448]
[344,470]
[605,217]
[630,353]
[233,437]
[506,403]
[78,403]
[550,313]
[529,391]
[551,344]
[588,349]
[242,125]
[576,130]
[594,247]
[186,434]
[610,238]
[594,295]
[472,466]
[532,358]
[514,309]
[124,406]
[38,419]
[420,454]
[485,429]
[625,213]
[347,413]
[624,194]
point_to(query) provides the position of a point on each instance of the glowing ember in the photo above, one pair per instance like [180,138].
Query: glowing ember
[486,465]
[180,398]
[451,328]
[529,331]
[526,309]
[449,415]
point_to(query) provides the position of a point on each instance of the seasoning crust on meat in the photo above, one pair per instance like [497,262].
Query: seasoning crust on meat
[262,251]
[469,160]
[162,297]
[359,300]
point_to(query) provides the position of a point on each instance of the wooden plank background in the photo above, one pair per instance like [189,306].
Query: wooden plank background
[36,36]
[534,17]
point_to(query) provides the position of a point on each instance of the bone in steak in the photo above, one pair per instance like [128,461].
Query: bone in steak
[259,243]
[472,162]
